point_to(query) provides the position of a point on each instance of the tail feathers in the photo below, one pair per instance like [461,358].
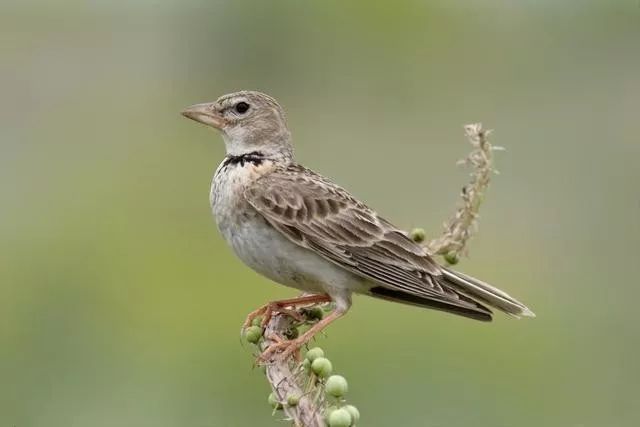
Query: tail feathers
[484,293]
[465,307]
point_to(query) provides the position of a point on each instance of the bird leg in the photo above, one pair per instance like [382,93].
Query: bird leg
[290,347]
[280,306]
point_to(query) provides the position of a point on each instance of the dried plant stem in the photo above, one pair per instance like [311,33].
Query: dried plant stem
[287,377]
[464,222]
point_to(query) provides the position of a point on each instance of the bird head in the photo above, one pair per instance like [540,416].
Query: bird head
[249,121]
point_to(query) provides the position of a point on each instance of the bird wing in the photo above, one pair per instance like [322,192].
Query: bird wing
[317,214]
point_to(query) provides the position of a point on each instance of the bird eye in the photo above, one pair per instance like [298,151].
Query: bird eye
[242,107]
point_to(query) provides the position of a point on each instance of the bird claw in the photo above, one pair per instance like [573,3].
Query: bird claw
[268,310]
[281,349]
[285,307]
[254,315]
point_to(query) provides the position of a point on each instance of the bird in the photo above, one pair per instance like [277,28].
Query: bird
[302,230]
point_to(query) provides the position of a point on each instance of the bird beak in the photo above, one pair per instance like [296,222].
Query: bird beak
[205,114]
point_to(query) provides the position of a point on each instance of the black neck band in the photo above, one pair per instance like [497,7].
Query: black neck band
[254,157]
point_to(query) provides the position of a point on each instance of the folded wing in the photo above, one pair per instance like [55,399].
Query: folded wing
[319,215]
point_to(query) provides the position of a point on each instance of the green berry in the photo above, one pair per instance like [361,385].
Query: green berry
[293,400]
[253,334]
[328,412]
[306,364]
[313,313]
[273,401]
[257,321]
[417,235]
[353,411]
[451,258]
[336,386]
[340,418]
[322,367]
[314,353]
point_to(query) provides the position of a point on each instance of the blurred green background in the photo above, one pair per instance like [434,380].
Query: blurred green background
[121,304]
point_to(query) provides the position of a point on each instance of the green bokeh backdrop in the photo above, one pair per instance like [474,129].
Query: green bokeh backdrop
[120,303]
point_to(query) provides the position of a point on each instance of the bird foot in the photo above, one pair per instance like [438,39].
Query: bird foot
[282,306]
[267,311]
[282,349]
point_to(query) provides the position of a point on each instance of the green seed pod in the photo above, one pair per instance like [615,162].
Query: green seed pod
[451,258]
[253,334]
[353,411]
[340,418]
[306,364]
[257,321]
[417,235]
[273,401]
[336,386]
[293,400]
[314,353]
[328,412]
[322,367]
[313,313]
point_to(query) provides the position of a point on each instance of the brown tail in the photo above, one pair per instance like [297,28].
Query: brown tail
[466,307]
[475,298]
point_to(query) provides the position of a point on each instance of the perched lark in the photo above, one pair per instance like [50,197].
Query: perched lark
[301,230]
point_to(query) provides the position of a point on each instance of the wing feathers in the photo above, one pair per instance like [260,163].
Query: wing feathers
[318,215]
